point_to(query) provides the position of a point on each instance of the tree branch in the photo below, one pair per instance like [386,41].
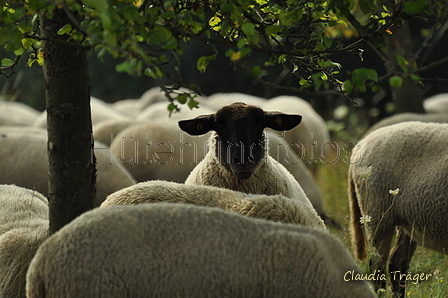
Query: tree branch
[10,67]
[432,65]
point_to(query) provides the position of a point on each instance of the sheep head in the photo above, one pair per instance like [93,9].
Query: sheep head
[239,128]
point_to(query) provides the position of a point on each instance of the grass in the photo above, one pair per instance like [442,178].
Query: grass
[332,179]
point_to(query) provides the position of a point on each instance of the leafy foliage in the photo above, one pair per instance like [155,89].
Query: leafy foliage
[303,36]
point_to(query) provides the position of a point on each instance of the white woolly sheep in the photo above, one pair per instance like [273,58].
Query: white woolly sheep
[182,250]
[158,151]
[128,107]
[437,103]
[406,117]
[17,114]
[23,227]
[311,139]
[276,208]
[24,162]
[100,111]
[397,178]
[237,158]
[105,131]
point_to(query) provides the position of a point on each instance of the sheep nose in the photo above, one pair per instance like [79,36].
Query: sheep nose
[237,158]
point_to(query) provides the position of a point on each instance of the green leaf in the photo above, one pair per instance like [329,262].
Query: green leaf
[107,22]
[413,7]
[66,29]
[110,38]
[172,107]
[272,30]
[366,5]
[192,104]
[256,71]
[7,62]
[348,86]
[182,98]
[100,5]
[361,75]
[396,81]
[203,62]
[250,32]
[402,62]
[123,67]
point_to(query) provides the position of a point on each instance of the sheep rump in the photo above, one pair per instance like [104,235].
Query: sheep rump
[275,208]
[182,250]
[410,160]
[23,227]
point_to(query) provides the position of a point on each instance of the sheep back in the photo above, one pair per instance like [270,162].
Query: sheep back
[26,163]
[181,250]
[276,208]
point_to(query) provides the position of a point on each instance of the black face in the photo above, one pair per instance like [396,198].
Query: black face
[240,144]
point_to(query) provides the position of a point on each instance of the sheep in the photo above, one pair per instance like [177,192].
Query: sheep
[24,162]
[237,159]
[183,250]
[397,178]
[99,109]
[406,117]
[436,104]
[277,208]
[17,114]
[105,131]
[23,227]
[158,151]
[128,107]
[311,132]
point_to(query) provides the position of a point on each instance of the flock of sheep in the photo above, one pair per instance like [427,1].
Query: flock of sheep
[220,202]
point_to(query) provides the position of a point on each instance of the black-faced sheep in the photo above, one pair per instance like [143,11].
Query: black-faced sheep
[237,158]
[276,208]
[182,250]
[23,227]
[24,162]
[398,178]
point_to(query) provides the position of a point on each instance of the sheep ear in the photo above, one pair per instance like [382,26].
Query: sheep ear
[279,121]
[199,125]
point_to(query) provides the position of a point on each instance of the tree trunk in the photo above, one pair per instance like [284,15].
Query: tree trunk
[409,97]
[71,168]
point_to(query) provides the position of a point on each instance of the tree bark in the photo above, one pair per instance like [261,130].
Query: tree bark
[71,167]
[409,97]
